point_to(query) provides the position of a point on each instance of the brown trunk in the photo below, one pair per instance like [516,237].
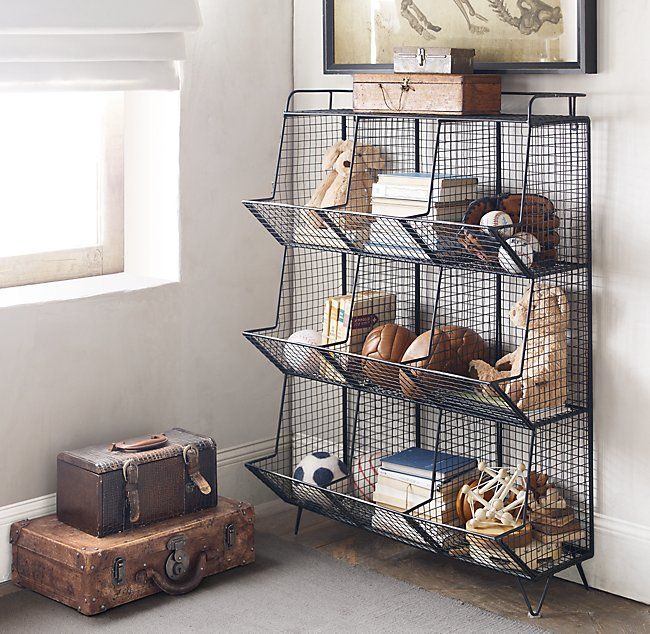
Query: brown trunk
[428,94]
[94,574]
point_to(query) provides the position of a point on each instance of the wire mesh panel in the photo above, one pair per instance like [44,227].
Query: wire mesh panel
[469,342]
[553,527]
[535,172]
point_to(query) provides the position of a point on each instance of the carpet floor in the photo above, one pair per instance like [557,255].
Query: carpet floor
[290,588]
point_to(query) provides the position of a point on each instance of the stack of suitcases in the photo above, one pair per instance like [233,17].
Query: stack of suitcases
[133,519]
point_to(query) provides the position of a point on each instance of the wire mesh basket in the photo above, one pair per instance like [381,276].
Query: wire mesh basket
[544,375]
[310,421]
[536,169]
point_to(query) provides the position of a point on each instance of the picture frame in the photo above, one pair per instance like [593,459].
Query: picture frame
[584,20]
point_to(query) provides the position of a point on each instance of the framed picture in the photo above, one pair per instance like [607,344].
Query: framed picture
[508,35]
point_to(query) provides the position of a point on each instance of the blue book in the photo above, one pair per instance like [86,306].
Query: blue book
[419,462]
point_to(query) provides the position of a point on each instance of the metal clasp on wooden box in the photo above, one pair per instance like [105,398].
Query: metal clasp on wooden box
[411,59]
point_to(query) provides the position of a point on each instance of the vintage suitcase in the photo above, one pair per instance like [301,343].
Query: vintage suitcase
[428,94]
[94,574]
[413,59]
[104,489]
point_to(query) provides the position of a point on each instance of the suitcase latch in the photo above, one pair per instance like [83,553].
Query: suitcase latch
[421,56]
[191,459]
[178,562]
[130,471]
[119,567]
[229,536]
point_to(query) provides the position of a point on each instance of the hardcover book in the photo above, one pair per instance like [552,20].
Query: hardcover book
[369,309]
[447,189]
[419,462]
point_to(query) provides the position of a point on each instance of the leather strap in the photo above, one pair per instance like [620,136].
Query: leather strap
[130,471]
[175,587]
[146,443]
[191,458]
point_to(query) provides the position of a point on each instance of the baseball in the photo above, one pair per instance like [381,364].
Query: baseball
[522,249]
[498,219]
[531,239]
[301,359]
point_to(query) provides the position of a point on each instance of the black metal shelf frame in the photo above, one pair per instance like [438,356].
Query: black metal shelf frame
[333,394]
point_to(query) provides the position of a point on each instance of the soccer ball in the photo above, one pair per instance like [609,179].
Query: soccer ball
[320,468]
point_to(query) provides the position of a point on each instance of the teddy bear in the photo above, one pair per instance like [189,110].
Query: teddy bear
[349,181]
[538,367]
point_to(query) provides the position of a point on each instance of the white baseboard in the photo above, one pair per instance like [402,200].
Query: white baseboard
[232,483]
[622,548]
[621,561]
[30,509]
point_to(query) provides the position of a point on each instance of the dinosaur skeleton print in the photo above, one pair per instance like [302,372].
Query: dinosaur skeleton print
[366,31]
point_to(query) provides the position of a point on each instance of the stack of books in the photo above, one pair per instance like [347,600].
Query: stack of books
[342,314]
[406,194]
[405,479]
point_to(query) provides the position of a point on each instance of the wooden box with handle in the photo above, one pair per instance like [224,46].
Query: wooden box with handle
[94,574]
[106,489]
[428,94]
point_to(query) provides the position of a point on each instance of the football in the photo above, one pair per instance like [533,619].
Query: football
[320,468]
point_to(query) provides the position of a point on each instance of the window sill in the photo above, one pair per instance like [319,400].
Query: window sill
[77,289]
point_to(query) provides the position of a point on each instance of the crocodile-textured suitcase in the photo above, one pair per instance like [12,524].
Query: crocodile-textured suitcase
[94,574]
[106,489]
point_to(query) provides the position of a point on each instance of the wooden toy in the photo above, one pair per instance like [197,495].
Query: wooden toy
[500,495]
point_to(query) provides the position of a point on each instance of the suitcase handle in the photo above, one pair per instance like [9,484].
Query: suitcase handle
[155,441]
[174,587]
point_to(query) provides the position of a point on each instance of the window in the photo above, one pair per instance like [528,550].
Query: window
[61,186]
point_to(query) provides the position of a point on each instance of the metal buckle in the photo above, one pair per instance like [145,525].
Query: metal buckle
[125,466]
[178,563]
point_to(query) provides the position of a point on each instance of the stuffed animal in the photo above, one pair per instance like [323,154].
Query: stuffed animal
[344,167]
[329,159]
[540,362]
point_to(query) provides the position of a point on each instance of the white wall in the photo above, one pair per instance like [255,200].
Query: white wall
[618,105]
[99,369]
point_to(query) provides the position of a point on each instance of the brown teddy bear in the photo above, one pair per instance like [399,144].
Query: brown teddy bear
[538,366]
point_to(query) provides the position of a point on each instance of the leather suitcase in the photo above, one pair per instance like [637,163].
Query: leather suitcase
[94,574]
[103,489]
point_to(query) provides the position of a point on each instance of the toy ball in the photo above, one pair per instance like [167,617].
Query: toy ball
[500,220]
[530,239]
[522,250]
[299,358]
[364,474]
[320,468]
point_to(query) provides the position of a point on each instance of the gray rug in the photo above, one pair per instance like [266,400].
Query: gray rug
[291,588]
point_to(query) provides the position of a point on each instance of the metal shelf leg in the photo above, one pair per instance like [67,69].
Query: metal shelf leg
[583,577]
[534,613]
[298,518]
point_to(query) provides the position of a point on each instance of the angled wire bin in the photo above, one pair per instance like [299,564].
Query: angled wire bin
[310,420]
[535,167]
[437,329]
[433,299]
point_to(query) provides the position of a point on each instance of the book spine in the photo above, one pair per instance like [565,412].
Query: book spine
[343,319]
[441,478]
[326,320]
